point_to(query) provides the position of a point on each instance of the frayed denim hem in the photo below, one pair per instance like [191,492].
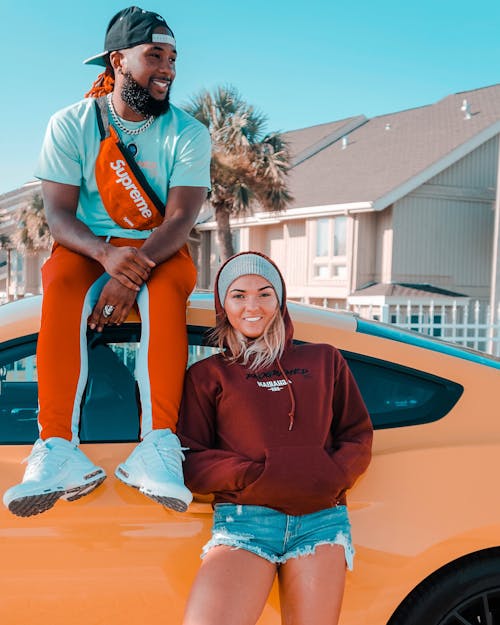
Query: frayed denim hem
[233,542]
[239,542]
[340,539]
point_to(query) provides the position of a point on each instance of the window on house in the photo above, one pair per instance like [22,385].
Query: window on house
[19,268]
[329,262]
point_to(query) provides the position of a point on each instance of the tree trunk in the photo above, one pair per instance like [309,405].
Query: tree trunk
[224,238]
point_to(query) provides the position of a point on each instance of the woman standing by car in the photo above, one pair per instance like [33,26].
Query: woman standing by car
[278,432]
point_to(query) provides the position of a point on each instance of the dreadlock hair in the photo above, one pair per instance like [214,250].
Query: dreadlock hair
[102,85]
[255,353]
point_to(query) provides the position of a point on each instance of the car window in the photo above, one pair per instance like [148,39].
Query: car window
[394,395]
[18,395]
[110,406]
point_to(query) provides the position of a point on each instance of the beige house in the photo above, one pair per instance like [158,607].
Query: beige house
[19,271]
[406,199]
[383,207]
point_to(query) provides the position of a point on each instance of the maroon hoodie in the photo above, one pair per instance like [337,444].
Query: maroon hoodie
[293,437]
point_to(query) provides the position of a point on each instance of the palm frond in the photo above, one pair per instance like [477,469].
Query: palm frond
[248,167]
[33,232]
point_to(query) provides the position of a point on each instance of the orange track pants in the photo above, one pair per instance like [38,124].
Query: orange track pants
[71,286]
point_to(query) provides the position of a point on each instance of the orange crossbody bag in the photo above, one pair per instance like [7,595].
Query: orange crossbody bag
[127,196]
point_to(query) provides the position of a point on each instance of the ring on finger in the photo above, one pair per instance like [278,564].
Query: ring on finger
[107,311]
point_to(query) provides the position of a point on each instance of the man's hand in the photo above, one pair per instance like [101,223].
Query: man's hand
[128,265]
[113,305]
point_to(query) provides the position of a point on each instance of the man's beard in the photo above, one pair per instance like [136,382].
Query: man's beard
[140,100]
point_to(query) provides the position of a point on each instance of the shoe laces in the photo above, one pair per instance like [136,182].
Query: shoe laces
[168,457]
[36,459]
[41,457]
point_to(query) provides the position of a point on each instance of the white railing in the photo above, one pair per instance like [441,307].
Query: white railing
[471,325]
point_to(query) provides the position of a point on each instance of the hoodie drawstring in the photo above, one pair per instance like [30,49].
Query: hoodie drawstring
[291,414]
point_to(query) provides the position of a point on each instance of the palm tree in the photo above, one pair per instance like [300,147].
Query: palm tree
[33,233]
[32,236]
[248,168]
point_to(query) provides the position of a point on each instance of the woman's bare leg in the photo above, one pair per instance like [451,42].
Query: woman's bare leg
[312,587]
[230,588]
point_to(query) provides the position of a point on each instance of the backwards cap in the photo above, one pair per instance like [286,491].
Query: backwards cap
[131,27]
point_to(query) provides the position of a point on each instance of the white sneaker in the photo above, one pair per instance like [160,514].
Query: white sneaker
[57,469]
[155,468]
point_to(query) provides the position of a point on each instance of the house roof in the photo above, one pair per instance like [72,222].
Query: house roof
[306,142]
[404,289]
[387,157]
[28,188]
[11,201]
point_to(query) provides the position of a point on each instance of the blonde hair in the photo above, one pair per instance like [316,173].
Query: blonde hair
[252,353]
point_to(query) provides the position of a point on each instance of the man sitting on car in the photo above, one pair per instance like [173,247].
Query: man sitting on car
[124,174]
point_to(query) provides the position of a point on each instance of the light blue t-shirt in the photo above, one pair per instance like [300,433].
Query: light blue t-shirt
[174,151]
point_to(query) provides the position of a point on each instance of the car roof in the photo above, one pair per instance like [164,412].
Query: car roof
[22,318]
[395,333]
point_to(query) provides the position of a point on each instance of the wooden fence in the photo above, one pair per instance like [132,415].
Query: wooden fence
[472,325]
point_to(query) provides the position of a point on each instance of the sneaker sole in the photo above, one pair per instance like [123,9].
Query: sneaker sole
[36,504]
[73,494]
[169,502]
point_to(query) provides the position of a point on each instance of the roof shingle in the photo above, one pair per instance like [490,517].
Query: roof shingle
[386,152]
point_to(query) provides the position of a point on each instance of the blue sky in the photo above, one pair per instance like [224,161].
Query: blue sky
[300,63]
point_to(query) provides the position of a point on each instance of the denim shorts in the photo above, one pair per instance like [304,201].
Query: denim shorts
[276,536]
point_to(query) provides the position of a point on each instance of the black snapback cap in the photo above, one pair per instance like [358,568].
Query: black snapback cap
[131,27]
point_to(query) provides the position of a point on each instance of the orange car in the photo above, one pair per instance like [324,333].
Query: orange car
[425,516]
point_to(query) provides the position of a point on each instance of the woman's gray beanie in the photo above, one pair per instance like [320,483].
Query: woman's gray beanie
[248,264]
